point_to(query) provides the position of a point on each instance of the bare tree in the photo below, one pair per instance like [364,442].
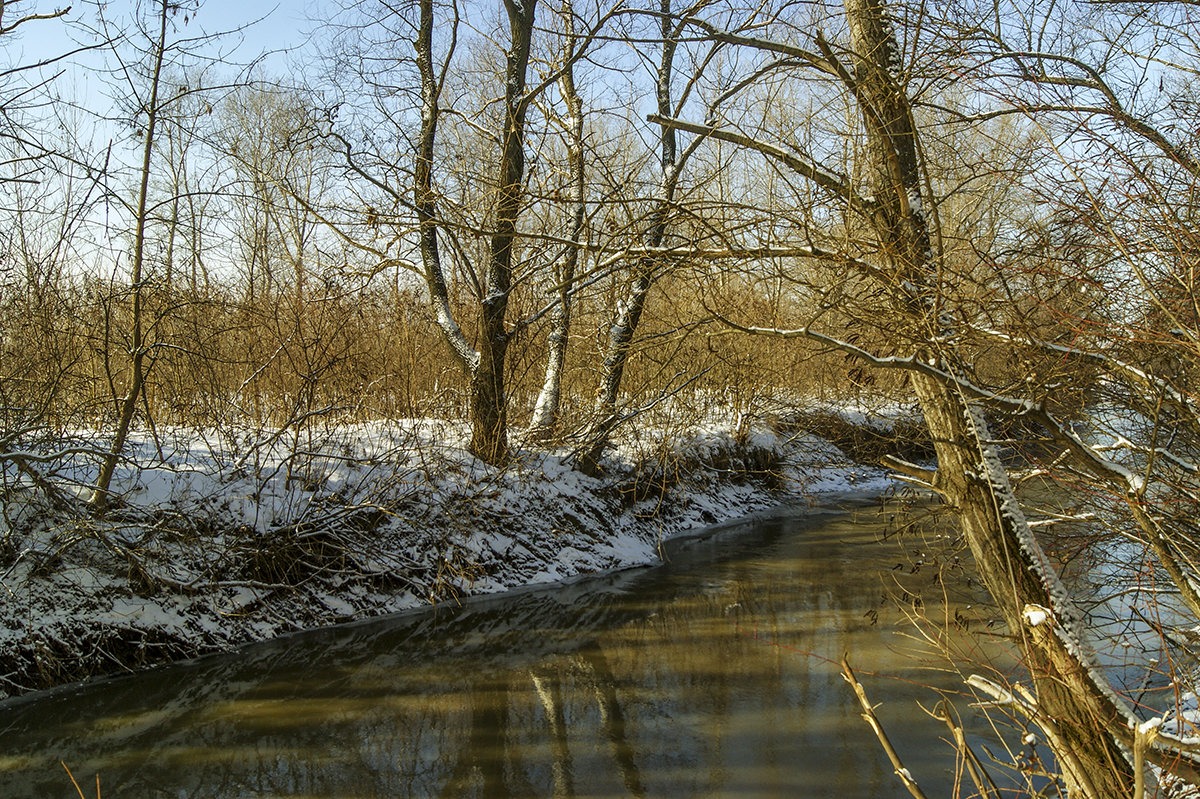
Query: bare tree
[457,216]
[143,80]
[45,194]
[417,191]
[137,348]
[646,260]
[546,411]
[887,202]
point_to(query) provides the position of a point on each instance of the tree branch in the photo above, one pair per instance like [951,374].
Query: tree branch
[829,180]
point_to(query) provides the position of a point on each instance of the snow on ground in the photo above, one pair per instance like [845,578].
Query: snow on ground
[223,540]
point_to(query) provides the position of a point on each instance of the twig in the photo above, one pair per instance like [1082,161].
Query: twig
[983,781]
[1023,702]
[73,782]
[912,473]
[1144,736]
[869,715]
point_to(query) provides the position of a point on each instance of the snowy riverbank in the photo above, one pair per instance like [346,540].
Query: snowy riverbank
[218,544]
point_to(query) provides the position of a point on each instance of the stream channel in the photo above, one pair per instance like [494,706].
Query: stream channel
[715,674]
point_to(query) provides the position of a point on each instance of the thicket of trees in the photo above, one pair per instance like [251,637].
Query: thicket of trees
[542,218]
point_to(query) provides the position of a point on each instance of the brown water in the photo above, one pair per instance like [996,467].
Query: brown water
[714,675]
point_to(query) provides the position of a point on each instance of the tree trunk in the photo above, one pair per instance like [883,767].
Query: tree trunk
[629,314]
[489,416]
[620,337]
[425,197]
[1072,696]
[485,367]
[137,350]
[488,408]
[546,412]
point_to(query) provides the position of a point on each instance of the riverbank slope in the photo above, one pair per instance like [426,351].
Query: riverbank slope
[218,545]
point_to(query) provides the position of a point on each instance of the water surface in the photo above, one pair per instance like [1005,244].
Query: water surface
[714,675]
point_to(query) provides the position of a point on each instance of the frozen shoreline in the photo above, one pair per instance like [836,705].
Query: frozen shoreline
[207,553]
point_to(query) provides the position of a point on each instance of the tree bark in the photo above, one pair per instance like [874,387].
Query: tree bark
[485,367]
[137,349]
[425,197]
[1072,695]
[629,313]
[546,412]
[489,406]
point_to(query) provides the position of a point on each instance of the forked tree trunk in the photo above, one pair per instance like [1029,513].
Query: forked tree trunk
[485,367]
[489,405]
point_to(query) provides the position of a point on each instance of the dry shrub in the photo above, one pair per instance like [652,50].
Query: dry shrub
[334,349]
[866,441]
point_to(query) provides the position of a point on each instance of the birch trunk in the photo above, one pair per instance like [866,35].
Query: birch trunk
[544,423]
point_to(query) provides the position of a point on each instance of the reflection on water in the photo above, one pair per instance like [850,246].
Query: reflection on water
[715,675]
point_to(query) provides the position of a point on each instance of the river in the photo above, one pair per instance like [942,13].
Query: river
[715,674]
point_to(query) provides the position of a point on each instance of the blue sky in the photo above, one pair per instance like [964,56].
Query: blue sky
[261,26]
[284,23]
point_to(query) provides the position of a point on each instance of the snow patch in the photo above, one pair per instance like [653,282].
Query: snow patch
[228,538]
[1035,615]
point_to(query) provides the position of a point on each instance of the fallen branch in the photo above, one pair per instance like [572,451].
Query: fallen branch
[912,473]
